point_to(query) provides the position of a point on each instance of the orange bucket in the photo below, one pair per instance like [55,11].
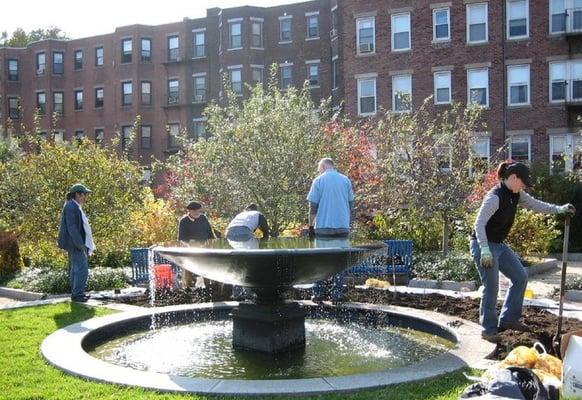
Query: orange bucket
[163,276]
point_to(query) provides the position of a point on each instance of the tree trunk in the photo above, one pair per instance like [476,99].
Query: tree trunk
[446,232]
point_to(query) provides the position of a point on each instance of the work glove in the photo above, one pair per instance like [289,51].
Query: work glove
[486,257]
[567,209]
[311,232]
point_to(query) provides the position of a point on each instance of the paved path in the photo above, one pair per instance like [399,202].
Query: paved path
[544,285]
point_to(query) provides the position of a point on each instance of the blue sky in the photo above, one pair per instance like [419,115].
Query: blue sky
[88,18]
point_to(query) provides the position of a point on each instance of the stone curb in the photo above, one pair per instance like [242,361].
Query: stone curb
[21,295]
[465,286]
[574,295]
[547,265]
[571,256]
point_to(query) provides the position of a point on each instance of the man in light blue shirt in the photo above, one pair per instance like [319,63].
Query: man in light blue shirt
[330,202]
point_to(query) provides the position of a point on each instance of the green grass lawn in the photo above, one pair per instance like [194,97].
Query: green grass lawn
[25,375]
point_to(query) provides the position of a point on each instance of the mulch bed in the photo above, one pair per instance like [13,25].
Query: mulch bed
[542,322]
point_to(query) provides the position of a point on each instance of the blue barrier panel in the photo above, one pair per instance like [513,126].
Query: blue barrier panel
[139,265]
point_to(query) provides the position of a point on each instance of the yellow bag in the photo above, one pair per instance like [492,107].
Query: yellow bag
[377,283]
[548,363]
[522,356]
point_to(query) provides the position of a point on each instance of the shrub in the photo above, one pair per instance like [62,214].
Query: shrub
[456,266]
[574,283]
[56,281]
[532,233]
[10,259]
[154,222]
[110,259]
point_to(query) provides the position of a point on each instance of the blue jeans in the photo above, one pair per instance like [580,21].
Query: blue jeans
[78,272]
[504,260]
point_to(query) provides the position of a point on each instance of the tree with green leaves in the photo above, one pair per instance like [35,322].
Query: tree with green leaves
[263,149]
[20,38]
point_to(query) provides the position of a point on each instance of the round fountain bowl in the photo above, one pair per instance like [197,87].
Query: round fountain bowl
[72,349]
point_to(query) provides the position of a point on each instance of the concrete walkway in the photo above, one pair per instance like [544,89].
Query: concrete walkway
[544,285]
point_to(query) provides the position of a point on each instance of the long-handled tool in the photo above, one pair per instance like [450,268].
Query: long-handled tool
[556,341]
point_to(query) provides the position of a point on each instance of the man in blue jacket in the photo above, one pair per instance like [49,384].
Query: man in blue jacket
[76,238]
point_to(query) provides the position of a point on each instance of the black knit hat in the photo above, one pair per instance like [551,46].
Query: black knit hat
[521,171]
[194,205]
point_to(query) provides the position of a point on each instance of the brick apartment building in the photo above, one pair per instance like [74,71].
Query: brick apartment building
[519,59]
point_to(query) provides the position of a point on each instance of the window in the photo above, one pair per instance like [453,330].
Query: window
[257,34]
[146,93]
[173,133]
[313,74]
[78,99]
[79,135]
[99,56]
[575,81]
[517,19]
[174,49]
[477,23]
[285,29]
[286,72]
[58,66]
[401,93]
[366,35]
[441,30]
[401,32]
[366,96]
[173,91]
[334,74]
[13,108]
[518,82]
[58,102]
[99,136]
[333,32]
[146,137]
[566,153]
[199,89]
[312,25]
[478,87]
[557,16]
[42,135]
[126,49]
[442,87]
[199,38]
[12,70]
[40,63]
[78,61]
[558,80]
[99,97]
[126,93]
[126,133]
[480,155]
[146,175]
[146,50]
[520,149]
[235,77]
[444,155]
[199,128]
[257,75]
[235,35]
[41,103]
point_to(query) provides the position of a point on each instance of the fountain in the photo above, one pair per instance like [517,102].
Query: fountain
[267,331]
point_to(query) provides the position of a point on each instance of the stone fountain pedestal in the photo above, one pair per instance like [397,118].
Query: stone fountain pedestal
[268,328]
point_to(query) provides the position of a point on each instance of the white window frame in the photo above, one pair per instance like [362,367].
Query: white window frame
[231,24]
[476,155]
[233,69]
[195,44]
[469,71]
[436,87]
[308,16]
[508,16]
[281,67]
[570,151]
[509,84]
[550,81]
[392,32]
[309,64]
[260,22]
[358,22]
[468,16]
[434,25]
[394,92]
[520,139]
[550,22]
[281,20]
[359,84]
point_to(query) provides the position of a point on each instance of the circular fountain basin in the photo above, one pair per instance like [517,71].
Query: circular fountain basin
[69,350]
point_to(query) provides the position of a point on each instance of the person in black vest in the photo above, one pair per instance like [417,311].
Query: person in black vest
[492,255]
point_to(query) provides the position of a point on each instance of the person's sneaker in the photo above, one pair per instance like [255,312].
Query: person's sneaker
[491,337]
[514,326]
[81,299]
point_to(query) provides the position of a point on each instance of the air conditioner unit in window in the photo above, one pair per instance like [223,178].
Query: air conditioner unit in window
[333,33]
[366,48]
[40,71]
[178,59]
[199,98]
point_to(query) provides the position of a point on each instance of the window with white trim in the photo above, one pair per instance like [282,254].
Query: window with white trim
[199,129]
[41,103]
[173,91]
[257,34]
[13,70]
[565,153]
[126,50]
[480,153]
[146,137]
[173,133]
[235,77]
[518,91]
[285,33]
[286,74]
[199,39]
[235,35]
[401,93]
[78,99]
[126,93]
[478,86]
[558,80]
[199,89]
[313,74]
[477,30]
[146,93]
[313,26]
[99,97]
[174,48]
[565,16]
[520,149]
[517,19]
[366,35]
[367,96]
[40,63]
[441,24]
[257,75]
[401,32]
[126,132]
[575,81]
[442,87]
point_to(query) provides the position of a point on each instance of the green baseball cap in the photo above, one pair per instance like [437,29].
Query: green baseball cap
[79,188]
